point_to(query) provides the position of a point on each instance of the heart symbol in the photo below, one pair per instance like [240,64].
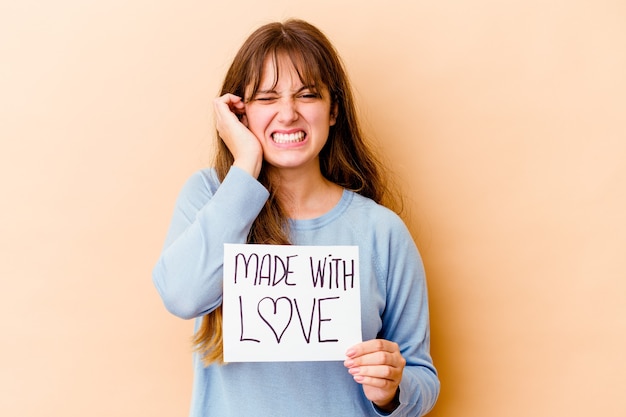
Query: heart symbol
[270,308]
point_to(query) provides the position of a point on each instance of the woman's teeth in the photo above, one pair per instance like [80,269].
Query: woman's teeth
[288,137]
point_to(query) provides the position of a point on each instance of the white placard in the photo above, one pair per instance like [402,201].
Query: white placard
[290,303]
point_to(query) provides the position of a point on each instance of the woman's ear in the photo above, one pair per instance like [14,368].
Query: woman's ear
[334,109]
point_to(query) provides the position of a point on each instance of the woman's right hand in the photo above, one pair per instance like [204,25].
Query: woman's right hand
[231,123]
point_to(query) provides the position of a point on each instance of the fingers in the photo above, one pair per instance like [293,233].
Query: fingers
[227,105]
[232,126]
[378,366]
[375,351]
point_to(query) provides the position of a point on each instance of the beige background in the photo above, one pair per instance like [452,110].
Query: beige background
[505,121]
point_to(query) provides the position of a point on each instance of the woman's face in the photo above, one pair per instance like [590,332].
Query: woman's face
[291,120]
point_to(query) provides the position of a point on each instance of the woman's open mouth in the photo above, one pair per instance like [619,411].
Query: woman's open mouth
[284,138]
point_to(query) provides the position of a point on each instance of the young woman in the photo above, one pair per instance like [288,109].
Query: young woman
[292,167]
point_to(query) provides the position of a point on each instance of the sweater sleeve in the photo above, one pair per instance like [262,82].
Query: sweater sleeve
[406,322]
[188,273]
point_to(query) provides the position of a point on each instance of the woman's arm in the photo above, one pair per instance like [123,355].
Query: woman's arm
[188,274]
[396,370]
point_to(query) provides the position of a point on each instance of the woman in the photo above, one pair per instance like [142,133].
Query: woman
[291,167]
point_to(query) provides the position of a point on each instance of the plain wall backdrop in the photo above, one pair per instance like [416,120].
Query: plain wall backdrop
[504,122]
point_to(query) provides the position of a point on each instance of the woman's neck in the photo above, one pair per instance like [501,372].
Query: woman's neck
[305,195]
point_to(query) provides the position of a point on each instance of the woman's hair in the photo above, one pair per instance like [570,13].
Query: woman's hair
[345,159]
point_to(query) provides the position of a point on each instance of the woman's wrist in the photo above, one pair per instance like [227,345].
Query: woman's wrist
[252,167]
[390,406]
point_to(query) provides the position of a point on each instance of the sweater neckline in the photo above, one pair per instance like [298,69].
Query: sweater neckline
[326,218]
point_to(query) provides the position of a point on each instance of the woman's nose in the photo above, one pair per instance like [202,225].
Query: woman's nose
[287,111]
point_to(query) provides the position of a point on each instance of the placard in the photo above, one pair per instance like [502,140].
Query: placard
[290,303]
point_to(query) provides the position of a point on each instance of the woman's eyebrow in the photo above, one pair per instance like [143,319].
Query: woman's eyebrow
[306,87]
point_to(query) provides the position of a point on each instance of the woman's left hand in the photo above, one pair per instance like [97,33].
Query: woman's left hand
[377,365]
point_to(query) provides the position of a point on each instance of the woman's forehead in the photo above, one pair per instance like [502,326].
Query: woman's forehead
[279,68]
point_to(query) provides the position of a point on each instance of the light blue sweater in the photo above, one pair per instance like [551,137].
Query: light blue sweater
[394,301]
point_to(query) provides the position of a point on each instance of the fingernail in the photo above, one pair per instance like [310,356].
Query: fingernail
[348,363]
[350,352]
[354,371]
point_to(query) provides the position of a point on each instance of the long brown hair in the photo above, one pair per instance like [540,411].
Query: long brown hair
[345,159]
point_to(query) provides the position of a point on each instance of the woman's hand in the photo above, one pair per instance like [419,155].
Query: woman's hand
[377,365]
[231,123]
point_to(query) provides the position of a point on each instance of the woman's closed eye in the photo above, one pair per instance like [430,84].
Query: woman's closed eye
[265,98]
[309,95]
